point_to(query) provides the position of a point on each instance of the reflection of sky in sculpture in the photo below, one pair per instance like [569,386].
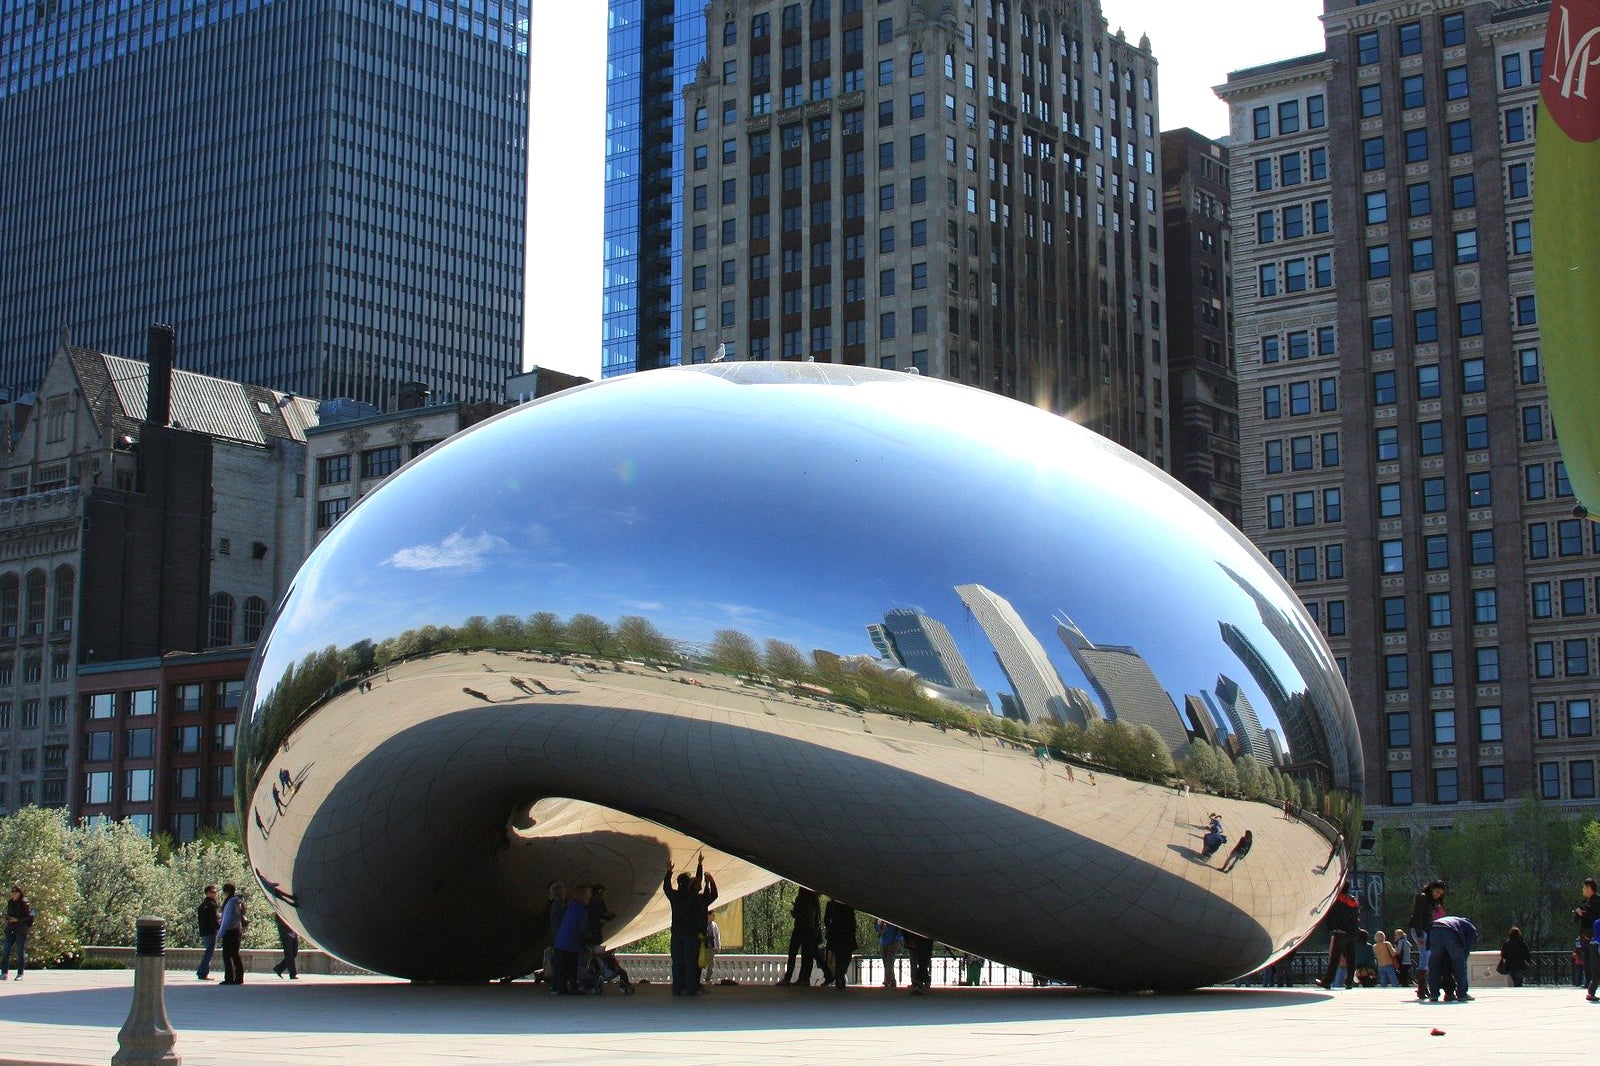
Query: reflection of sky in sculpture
[690,529]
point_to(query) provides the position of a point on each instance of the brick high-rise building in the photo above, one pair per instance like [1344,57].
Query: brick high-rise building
[1396,439]
[971,191]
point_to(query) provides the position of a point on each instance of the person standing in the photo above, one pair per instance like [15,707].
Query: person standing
[1404,955]
[231,926]
[1449,944]
[19,920]
[839,926]
[206,921]
[1344,929]
[889,940]
[1515,957]
[1388,961]
[1240,850]
[919,950]
[555,909]
[805,939]
[713,945]
[690,902]
[289,940]
[1428,905]
[1586,913]
[569,942]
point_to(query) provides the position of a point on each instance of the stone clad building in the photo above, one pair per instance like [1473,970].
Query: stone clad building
[971,191]
[145,511]
[1397,440]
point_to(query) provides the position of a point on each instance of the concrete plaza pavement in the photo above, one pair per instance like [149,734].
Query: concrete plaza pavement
[58,1017]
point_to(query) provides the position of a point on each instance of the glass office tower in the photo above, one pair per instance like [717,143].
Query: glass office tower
[653,48]
[323,196]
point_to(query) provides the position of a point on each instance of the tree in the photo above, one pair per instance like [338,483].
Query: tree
[36,853]
[117,880]
[734,653]
[589,634]
[506,631]
[210,860]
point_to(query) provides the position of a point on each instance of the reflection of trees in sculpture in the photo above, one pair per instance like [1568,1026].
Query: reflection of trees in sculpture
[589,634]
[545,631]
[734,653]
[1136,751]
[1210,768]
[640,639]
[784,661]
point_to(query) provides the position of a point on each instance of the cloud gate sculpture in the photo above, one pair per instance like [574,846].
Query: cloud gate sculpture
[916,646]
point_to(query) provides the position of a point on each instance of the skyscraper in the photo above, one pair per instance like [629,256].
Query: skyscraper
[1395,420]
[924,644]
[653,48]
[1128,688]
[969,191]
[325,196]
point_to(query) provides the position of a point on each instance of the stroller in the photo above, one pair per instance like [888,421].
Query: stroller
[599,967]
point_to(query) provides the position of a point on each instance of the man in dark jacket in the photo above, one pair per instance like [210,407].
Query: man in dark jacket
[805,939]
[206,920]
[690,901]
[1344,929]
[839,925]
[1586,913]
[1450,943]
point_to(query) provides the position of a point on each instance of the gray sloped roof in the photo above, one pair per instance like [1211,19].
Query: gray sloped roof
[228,410]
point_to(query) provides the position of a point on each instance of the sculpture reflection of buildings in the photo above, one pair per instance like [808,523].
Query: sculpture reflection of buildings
[1241,716]
[1128,688]
[1040,695]
[923,646]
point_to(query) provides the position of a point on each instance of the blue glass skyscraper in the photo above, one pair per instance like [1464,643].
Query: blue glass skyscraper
[653,48]
[323,196]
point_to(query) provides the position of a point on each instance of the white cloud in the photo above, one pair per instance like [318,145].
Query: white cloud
[455,552]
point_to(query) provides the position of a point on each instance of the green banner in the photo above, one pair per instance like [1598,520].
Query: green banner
[1566,226]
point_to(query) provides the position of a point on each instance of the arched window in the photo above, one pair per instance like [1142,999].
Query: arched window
[33,604]
[10,598]
[220,630]
[255,619]
[66,591]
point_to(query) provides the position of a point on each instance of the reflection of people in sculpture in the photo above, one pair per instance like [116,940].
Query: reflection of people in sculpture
[286,781]
[691,903]
[1240,850]
[260,824]
[805,939]
[277,799]
[919,949]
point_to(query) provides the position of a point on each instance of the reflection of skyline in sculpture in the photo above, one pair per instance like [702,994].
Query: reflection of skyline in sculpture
[1202,724]
[1128,688]
[1242,720]
[924,646]
[1301,713]
[1034,681]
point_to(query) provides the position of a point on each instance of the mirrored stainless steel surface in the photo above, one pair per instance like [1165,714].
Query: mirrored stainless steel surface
[908,643]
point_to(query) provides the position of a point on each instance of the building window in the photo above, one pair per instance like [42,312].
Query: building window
[1398,729]
[1581,778]
[1400,788]
[1492,783]
[1580,719]
[1442,674]
[330,511]
[1550,780]
[1395,668]
[255,619]
[219,627]
[1446,785]
[140,743]
[186,699]
[333,469]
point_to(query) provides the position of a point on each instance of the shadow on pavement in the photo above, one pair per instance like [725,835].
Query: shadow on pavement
[392,1007]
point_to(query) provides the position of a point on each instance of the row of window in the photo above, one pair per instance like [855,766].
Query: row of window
[1441,668]
[1299,395]
[1292,221]
[1568,538]
[1299,344]
[1433,496]
[140,743]
[375,463]
[1305,570]
[138,786]
[1580,782]
[1295,275]
[28,718]
[1304,453]
[1408,38]
[1303,507]
[1291,168]
[33,669]
[220,631]
[181,699]
[1288,115]
[55,758]
[29,595]
[1469,315]
[1490,726]
[1440,611]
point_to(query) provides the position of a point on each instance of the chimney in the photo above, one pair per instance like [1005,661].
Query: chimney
[158,402]
[413,394]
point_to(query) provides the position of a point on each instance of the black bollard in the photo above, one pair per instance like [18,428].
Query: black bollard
[147,1036]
